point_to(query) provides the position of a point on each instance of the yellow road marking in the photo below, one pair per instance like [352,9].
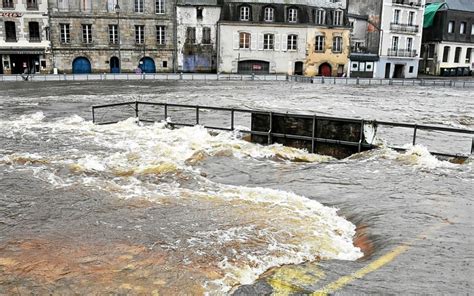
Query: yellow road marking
[374,265]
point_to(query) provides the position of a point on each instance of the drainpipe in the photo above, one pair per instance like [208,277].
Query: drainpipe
[175,37]
[218,46]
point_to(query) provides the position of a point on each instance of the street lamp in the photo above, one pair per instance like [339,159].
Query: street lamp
[117,11]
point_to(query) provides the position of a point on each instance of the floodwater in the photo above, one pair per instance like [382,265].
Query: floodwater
[143,209]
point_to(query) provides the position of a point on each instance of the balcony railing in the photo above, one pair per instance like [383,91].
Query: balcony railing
[35,39]
[407,2]
[406,53]
[404,28]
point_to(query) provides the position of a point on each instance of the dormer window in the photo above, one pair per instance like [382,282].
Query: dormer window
[337,21]
[268,14]
[292,15]
[320,17]
[244,13]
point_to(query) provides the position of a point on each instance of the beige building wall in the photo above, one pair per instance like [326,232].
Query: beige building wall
[338,61]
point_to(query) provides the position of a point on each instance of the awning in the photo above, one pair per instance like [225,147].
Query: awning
[430,13]
[22,51]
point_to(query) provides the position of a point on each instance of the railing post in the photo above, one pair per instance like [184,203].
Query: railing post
[472,145]
[136,111]
[270,114]
[166,112]
[232,119]
[414,135]
[93,115]
[197,115]
[313,134]
[361,135]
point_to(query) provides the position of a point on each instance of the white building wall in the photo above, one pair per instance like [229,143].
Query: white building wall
[386,40]
[464,61]
[186,16]
[281,60]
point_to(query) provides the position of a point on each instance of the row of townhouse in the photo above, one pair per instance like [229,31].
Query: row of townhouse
[364,38]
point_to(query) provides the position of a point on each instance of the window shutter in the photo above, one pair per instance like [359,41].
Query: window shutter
[260,41]
[253,41]
[284,42]
[236,40]
[277,41]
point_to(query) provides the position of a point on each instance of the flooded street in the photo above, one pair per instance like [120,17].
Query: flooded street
[143,209]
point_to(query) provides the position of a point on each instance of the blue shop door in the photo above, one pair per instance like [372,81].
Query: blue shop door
[81,66]
[148,65]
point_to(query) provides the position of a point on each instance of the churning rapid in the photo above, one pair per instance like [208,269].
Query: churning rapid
[140,208]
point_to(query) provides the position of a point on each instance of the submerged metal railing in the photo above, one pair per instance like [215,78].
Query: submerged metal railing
[270,133]
[461,83]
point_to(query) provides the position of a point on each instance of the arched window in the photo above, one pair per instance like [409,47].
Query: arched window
[244,13]
[244,40]
[292,15]
[269,14]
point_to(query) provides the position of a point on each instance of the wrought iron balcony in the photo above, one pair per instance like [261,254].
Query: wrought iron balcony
[405,53]
[407,2]
[404,28]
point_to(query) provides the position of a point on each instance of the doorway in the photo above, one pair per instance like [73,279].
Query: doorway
[81,65]
[399,71]
[388,67]
[298,68]
[147,65]
[325,70]
[114,65]
[24,63]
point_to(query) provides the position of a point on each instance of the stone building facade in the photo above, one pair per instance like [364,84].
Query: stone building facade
[24,33]
[112,36]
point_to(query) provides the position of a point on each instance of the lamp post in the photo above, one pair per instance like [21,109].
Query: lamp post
[117,11]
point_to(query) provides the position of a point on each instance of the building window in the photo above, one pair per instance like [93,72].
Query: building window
[472,29]
[320,17]
[468,55]
[268,41]
[113,34]
[7,3]
[292,15]
[462,28]
[65,33]
[446,54]
[160,6]
[139,34]
[10,32]
[63,5]
[337,44]
[411,69]
[87,33]
[409,44]
[411,18]
[47,33]
[244,40]
[457,54]
[244,13]
[396,16]
[268,14]
[34,32]
[165,64]
[160,35]
[86,5]
[395,43]
[319,46]
[337,18]
[199,13]
[31,4]
[138,6]
[292,43]
[190,35]
[206,35]
[451,27]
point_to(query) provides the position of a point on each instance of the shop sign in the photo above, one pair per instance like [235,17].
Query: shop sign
[256,67]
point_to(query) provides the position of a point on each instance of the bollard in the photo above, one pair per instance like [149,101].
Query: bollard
[180,75]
